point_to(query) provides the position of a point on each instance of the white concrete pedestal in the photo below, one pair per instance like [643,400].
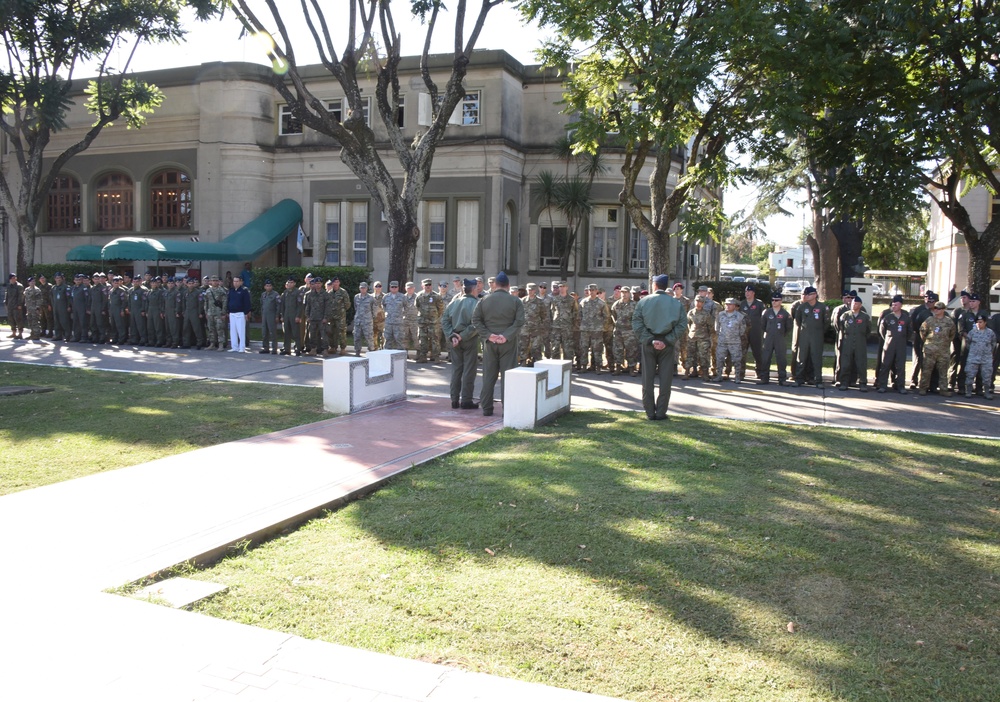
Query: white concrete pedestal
[351,384]
[534,396]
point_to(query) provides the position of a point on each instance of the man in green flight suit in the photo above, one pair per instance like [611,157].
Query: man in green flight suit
[464,342]
[658,321]
[498,318]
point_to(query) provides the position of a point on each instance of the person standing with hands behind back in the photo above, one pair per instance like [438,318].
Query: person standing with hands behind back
[658,321]
[498,318]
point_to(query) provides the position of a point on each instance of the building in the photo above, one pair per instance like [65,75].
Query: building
[223,149]
[793,263]
[948,255]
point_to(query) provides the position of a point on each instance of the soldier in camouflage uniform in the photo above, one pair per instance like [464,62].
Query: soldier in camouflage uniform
[936,332]
[317,309]
[980,341]
[270,300]
[531,343]
[290,309]
[593,314]
[33,300]
[394,306]
[216,308]
[626,344]
[546,298]
[14,303]
[730,328]
[378,323]
[46,289]
[565,314]
[340,305]
[118,311]
[365,309]
[411,321]
[430,306]
[699,324]
[680,348]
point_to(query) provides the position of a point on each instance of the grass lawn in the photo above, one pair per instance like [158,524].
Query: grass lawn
[693,560]
[96,421]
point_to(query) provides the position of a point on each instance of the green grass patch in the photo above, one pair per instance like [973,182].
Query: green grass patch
[689,560]
[96,421]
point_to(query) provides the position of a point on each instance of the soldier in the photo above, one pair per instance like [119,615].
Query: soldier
[270,302]
[846,300]
[964,324]
[937,332]
[593,314]
[303,289]
[956,377]
[457,290]
[546,333]
[715,309]
[980,341]
[340,305]
[378,323]
[62,327]
[216,307]
[854,327]
[156,322]
[794,362]
[290,310]
[752,309]
[137,305]
[430,306]
[80,307]
[444,344]
[463,338]
[172,304]
[33,309]
[411,321]
[730,329]
[316,303]
[365,308]
[681,346]
[99,309]
[46,288]
[918,315]
[394,306]
[498,318]
[117,310]
[14,302]
[699,333]
[657,322]
[531,343]
[193,315]
[609,326]
[626,344]
[565,316]
[775,324]
[810,321]
[893,331]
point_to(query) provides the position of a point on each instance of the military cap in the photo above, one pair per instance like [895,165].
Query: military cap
[775,296]
[479,279]
[853,293]
[457,278]
[555,284]
[362,285]
[154,280]
[702,287]
[335,279]
[929,293]
[974,296]
[378,283]
[76,276]
[563,284]
[618,287]
[964,293]
[592,286]
[59,274]
[677,285]
[267,281]
[309,276]
[939,305]
[626,289]
[291,278]
[700,298]
[491,279]
[502,279]
[847,293]
[531,286]
[661,281]
[982,317]
[12,275]
[810,290]
[469,283]
[31,279]
[118,277]
[750,288]
[427,281]
[215,277]
[897,298]
[731,301]
[514,288]
[409,284]
[932,297]
[393,283]
[543,284]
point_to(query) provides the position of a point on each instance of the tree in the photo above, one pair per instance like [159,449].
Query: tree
[47,42]
[672,84]
[894,246]
[373,47]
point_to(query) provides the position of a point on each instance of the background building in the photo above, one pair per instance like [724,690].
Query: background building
[948,256]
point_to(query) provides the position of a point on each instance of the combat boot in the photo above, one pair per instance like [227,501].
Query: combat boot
[617,370]
[946,393]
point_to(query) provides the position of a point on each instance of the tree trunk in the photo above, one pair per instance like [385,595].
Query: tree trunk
[826,258]
[850,240]
[982,250]
[403,237]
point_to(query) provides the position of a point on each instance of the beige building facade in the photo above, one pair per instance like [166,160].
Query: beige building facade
[948,255]
[223,148]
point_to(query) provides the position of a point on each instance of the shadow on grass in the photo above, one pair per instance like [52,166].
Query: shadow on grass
[881,547]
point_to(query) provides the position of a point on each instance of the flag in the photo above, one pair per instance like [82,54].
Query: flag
[300,239]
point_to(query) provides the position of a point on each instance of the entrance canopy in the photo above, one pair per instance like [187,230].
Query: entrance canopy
[86,252]
[245,244]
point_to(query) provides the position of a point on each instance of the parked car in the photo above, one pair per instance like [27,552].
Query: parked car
[878,289]
[793,287]
[739,279]
[752,280]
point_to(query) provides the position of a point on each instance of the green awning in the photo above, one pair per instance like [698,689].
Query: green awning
[245,244]
[87,252]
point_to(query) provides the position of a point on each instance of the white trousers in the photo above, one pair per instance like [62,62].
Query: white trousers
[238,331]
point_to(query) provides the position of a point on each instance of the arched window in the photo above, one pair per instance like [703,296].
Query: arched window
[115,194]
[170,200]
[64,205]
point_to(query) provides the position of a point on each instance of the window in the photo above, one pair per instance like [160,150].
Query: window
[114,203]
[603,247]
[288,123]
[469,106]
[638,251]
[553,244]
[332,234]
[64,205]
[467,235]
[337,108]
[401,115]
[170,200]
[436,234]
[359,212]
[466,113]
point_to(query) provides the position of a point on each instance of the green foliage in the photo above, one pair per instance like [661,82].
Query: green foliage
[111,98]
[898,247]
[702,220]
[727,288]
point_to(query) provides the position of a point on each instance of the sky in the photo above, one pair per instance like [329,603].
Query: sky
[220,40]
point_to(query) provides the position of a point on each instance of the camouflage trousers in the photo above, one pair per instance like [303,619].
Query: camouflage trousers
[699,356]
[428,341]
[734,349]
[985,373]
[681,352]
[592,349]
[378,331]
[609,348]
[395,336]
[626,348]
[33,320]
[336,331]
[531,345]
[215,326]
[411,335]
[364,334]
[563,343]
[934,359]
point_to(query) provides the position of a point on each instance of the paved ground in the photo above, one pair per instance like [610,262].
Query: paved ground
[62,638]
